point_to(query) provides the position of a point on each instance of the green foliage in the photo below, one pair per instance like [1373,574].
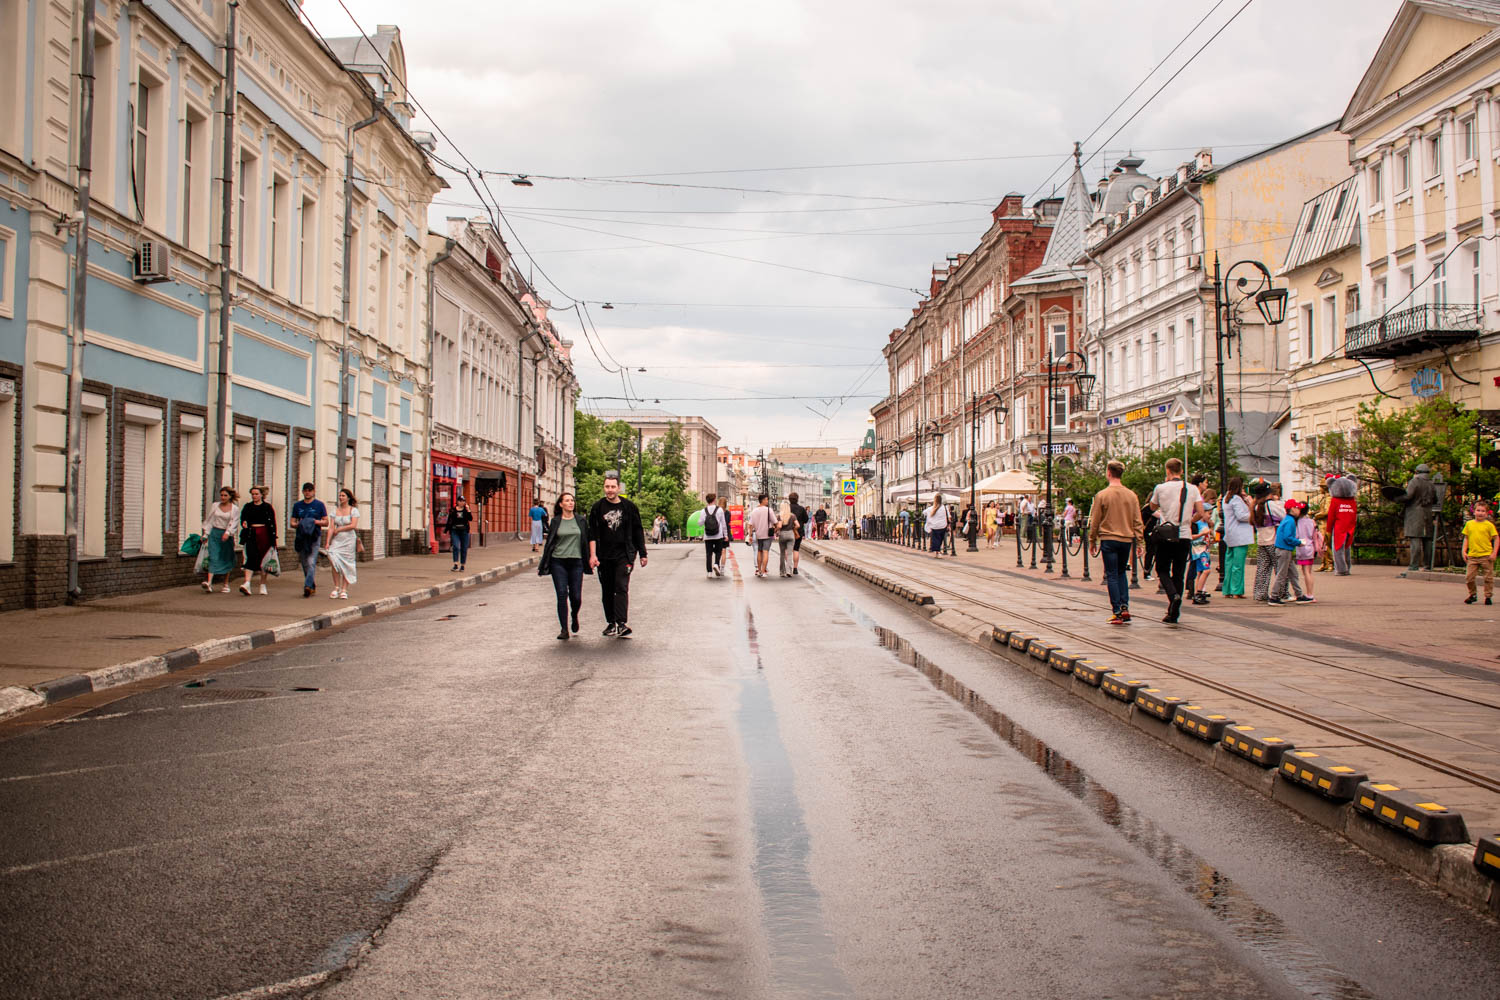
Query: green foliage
[662,470]
[1081,480]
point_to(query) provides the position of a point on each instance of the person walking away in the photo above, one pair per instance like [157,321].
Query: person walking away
[1114,526]
[563,559]
[1177,505]
[760,528]
[1320,512]
[821,517]
[1286,543]
[616,537]
[343,544]
[715,535]
[905,517]
[538,529]
[1238,534]
[309,518]
[459,522]
[1265,514]
[1307,550]
[1070,520]
[258,536]
[1479,553]
[803,517]
[786,537]
[221,525]
[936,525]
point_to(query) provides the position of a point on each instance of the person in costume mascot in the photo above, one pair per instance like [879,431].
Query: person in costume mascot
[1342,512]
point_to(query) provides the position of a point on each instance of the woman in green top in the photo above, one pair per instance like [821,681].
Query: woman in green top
[563,554]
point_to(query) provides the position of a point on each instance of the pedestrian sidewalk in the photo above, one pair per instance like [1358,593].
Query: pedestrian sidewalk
[1424,617]
[1388,677]
[46,645]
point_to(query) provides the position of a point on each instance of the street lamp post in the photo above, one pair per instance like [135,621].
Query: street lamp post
[1084,379]
[1271,302]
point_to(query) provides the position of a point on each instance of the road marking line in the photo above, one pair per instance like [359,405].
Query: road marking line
[172,760]
[129,849]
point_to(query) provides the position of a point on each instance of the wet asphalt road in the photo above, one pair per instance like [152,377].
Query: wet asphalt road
[756,796]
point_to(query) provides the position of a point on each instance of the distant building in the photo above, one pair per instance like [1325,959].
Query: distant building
[700,440]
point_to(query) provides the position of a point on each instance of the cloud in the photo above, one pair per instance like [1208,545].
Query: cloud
[605,89]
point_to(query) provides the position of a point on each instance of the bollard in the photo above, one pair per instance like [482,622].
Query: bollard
[1019,563]
[1083,548]
[1031,540]
[1135,581]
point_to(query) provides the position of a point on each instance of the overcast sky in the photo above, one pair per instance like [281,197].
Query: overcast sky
[827,104]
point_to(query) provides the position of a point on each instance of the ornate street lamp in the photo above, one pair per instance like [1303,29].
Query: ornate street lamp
[1084,380]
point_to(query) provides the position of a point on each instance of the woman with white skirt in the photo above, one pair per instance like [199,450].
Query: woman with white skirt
[342,546]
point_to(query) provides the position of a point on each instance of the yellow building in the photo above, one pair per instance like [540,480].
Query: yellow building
[1423,126]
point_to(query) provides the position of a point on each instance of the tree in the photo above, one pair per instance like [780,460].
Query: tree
[1082,480]
[672,449]
[661,470]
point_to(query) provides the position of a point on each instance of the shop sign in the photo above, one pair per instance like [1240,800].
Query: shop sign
[447,471]
[1426,383]
[1138,414]
[1065,448]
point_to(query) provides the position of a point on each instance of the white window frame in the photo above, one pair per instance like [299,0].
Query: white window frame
[1403,172]
[7,273]
[190,469]
[1468,135]
[1377,185]
[1432,153]
[153,505]
[1057,327]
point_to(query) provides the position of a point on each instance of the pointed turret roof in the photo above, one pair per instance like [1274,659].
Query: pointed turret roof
[1066,243]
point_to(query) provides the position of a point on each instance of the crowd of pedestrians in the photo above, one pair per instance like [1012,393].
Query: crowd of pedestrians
[250,536]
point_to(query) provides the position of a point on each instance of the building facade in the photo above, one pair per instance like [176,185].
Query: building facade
[183,387]
[946,362]
[1150,257]
[503,387]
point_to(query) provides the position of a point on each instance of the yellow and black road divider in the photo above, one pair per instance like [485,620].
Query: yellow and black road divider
[1411,829]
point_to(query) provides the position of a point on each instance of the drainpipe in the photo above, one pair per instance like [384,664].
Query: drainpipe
[348,288]
[80,294]
[226,241]
[447,251]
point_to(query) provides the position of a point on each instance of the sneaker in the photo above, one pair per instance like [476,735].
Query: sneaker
[1124,617]
[1470,599]
[333,594]
[263,590]
[1169,620]
[623,632]
[1275,600]
[1304,599]
[794,571]
[245,589]
[609,629]
[225,590]
[575,624]
[307,592]
[1116,620]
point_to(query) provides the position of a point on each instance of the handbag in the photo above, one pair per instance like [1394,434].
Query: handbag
[1165,531]
[191,544]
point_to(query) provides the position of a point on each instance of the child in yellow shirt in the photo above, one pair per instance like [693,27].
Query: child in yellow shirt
[1479,553]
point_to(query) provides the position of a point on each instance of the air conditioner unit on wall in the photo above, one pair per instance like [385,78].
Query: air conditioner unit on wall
[1195,262]
[153,261]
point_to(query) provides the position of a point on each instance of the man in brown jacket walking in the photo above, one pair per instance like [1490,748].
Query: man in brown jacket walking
[1114,524]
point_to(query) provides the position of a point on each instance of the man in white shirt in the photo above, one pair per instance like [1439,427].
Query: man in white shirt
[715,535]
[762,529]
[1179,504]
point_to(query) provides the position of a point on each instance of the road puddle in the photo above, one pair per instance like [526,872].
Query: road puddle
[801,949]
[1257,929]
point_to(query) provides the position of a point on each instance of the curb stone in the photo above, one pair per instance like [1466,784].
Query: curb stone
[1449,867]
[15,699]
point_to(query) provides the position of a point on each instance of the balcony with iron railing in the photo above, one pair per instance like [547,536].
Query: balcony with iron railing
[1410,331]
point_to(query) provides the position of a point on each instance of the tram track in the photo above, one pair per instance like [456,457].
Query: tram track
[910,568]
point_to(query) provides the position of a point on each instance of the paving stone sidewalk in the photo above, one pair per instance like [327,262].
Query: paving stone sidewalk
[46,644]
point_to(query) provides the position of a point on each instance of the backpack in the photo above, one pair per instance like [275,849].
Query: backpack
[710,523]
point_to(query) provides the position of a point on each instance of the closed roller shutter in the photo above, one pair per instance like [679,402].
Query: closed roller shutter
[133,510]
[378,504]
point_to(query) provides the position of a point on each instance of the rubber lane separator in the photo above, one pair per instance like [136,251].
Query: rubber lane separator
[1400,809]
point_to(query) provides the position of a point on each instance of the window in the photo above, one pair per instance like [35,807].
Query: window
[1170,239]
[1434,146]
[1158,361]
[1468,139]
[141,499]
[146,157]
[1439,283]
[190,507]
[1175,360]
[1151,269]
[1403,171]
[307,253]
[189,127]
[1474,261]
[1377,189]
[1330,324]
[94,460]
[245,209]
[1378,295]
[1307,332]
[1351,301]
[279,236]
[1312,218]
[7,276]
[1408,282]
[1192,341]
[105,114]
[1060,409]
[1059,328]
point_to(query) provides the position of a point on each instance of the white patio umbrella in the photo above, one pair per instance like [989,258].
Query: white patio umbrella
[924,493]
[1009,481]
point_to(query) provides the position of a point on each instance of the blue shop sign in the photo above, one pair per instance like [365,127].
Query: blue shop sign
[1426,383]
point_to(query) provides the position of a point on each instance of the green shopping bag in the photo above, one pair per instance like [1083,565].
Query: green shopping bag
[191,544]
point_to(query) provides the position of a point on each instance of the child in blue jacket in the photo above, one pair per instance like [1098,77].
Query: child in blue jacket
[1286,551]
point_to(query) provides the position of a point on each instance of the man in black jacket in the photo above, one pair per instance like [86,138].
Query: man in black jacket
[615,538]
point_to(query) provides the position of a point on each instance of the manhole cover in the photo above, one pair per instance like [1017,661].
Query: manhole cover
[128,637]
[225,694]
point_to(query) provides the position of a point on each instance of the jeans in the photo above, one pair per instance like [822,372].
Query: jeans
[1171,566]
[1286,575]
[567,580]
[713,552]
[308,560]
[1116,557]
[614,589]
[1234,569]
[459,542]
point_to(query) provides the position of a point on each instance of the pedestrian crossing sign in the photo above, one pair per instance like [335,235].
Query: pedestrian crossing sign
[851,487]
